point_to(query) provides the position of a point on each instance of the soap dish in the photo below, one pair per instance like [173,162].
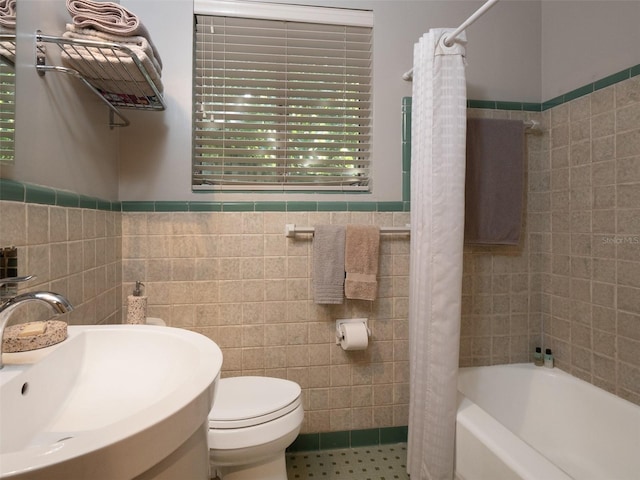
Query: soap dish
[54,332]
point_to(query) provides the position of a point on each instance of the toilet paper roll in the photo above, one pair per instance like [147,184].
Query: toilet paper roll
[136,309]
[354,336]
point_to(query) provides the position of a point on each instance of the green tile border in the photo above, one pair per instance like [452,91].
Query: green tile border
[407,103]
[67,199]
[348,438]
[613,79]
[501,105]
[138,207]
[12,190]
[362,206]
[486,104]
[107,205]
[38,194]
[172,207]
[333,206]
[302,206]
[390,207]
[394,435]
[532,107]
[331,440]
[280,206]
[205,206]
[271,206]
[88,202]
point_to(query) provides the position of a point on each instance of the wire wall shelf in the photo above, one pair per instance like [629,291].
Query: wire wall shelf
[112,71]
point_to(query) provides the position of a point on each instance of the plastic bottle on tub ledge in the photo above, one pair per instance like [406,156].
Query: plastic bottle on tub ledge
[538,360]
[548,358]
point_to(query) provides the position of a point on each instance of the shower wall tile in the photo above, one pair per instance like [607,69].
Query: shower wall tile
[593,325]
[501,306]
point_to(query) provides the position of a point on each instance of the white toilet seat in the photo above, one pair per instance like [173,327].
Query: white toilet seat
[249,401]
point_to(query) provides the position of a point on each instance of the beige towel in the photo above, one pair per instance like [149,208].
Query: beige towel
[362,245]
[328,264]
[109,17]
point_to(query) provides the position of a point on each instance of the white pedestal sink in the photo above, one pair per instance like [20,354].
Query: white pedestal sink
[110,402]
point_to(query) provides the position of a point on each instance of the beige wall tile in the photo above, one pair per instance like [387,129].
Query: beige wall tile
[627,92]
[37,224]
[628,170]
[627,144]
[602,100]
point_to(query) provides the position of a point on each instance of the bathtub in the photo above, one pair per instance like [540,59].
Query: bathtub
[534,423]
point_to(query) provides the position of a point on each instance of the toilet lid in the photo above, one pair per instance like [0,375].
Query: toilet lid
[246,401]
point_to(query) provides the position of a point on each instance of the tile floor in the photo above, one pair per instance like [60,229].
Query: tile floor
[378,462]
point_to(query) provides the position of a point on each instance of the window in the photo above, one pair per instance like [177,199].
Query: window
[282,104]
[7,101]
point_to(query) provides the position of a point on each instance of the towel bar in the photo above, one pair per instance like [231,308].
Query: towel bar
[532,126]
[290,230]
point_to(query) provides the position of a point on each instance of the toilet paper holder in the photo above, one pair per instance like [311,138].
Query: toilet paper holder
[339,335]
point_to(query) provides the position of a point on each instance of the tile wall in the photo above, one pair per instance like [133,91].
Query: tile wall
[72,251]
[574,284]
[588,231]
[236,278]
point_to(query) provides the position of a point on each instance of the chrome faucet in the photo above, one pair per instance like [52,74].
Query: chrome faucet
[58,304]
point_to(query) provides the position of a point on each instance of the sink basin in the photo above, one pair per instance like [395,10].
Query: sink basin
[110,402]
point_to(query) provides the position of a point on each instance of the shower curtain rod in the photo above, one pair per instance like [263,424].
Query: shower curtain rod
[448,41]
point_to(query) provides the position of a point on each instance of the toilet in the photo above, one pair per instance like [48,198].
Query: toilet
[252,422]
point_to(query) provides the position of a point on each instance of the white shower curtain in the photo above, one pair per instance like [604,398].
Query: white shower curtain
[438,131]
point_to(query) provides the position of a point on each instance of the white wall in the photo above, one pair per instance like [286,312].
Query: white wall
[584,41]
[62,134]
[156,149]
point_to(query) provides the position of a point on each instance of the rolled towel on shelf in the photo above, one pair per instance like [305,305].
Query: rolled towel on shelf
[362,246]
[8,14]
[109,17]
[135,42]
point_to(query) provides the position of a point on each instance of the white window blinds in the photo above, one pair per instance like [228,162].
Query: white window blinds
[7,109]
[281,105]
